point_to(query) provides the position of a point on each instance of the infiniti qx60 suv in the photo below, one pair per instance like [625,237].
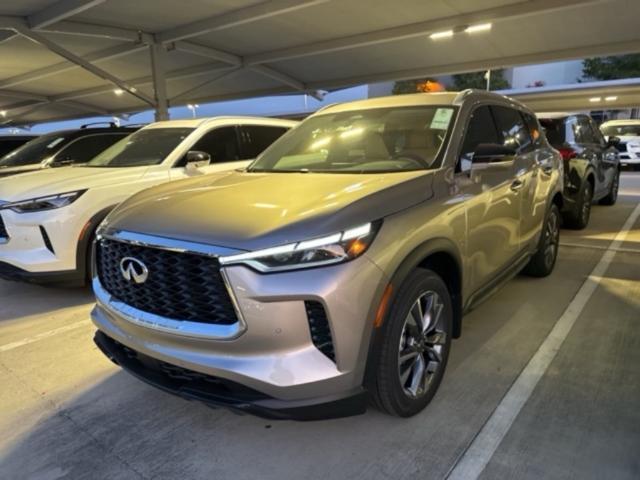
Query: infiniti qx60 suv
[338,265]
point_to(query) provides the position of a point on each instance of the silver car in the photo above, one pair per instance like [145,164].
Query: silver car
[336,268]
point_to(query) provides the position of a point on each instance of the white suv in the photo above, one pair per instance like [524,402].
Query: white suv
[48,218]
[628,131]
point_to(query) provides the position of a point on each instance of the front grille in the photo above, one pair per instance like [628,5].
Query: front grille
[3,230]
[319,328]
[180,286]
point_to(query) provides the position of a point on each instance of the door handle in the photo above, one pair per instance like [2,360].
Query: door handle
[517,185]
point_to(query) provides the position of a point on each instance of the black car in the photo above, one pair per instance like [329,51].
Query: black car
[65,147]
[9,143]
[591,164]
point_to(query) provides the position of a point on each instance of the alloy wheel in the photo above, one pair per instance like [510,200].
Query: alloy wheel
[422,344]
[585,211]
[552,238]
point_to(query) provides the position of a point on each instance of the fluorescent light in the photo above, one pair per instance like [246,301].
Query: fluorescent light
[610,99]
[595,99]
[443,34]
[3,113]
[481,27]
[118,91]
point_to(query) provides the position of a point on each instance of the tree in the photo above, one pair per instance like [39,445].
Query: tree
[612,68]
[463,81]
[417,85]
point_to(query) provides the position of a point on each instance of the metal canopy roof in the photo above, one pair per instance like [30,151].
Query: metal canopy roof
[67,58]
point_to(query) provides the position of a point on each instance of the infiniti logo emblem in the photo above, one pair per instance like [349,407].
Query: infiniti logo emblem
[134,270]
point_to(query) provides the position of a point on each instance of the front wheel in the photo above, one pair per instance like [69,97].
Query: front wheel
[415,346]
[544,259]
[612,196]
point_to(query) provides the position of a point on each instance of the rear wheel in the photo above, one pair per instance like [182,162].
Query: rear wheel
[579,218]
[612,196]
[544,259]
[415,347]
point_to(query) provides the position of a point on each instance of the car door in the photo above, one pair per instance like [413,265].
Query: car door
[607,159]
[538,158]
[592,152]
[492,195]
[223,146]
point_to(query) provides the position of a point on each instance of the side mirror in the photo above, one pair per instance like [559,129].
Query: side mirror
[63,162]
[196,159]
[491,152]
[613,141]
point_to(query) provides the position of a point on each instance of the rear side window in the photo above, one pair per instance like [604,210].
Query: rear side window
[221,143]
[554,130]
[514,133]
[582,131]
[256,138]
[481,129]
[533,126]
[85,148]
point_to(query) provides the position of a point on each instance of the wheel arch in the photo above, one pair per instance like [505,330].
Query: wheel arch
[439,255]
[84,241]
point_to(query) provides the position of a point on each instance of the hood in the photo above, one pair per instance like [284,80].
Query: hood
[249,211]
[7,171]
[50,181]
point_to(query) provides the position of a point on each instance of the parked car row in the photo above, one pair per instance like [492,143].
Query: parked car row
[331,271]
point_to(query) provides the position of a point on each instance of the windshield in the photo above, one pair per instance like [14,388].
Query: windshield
[621,130]
[364,141]
[35,151]
[144,147]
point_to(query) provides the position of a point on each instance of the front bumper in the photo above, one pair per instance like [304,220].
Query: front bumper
[40,245]
[218,393]
[272,352]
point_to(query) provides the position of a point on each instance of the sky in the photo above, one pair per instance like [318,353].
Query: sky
[263,106]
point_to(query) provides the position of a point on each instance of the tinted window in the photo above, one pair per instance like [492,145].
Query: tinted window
[514,133]
[84,149]
[145,147]
[221,144]
[481,129]
[35,151]
[554,129]
[362,141]
[582,131]
[533,126]
[256,138]
[9,144]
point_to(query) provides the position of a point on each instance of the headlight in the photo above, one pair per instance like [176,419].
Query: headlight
[43,203]
[336,248]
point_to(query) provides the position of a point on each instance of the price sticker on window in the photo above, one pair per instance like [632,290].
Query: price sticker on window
[441,119]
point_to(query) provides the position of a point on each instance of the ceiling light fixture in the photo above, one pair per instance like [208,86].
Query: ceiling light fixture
[3,113]
[595,99]
[610,99]
[118,91]
[481,27]
[443,34]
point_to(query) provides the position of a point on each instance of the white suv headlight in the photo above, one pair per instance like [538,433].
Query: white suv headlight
[43,203]
[336,248]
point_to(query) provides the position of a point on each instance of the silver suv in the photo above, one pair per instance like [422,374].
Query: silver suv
[338,265]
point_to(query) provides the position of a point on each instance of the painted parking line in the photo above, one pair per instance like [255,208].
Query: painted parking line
[26,341]
[599,247]
[478,454]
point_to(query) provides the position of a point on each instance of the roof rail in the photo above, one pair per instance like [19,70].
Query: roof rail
[111,124]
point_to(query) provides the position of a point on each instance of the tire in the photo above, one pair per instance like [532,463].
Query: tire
[579,218]
[612,196]
[544,259]
[426,349]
